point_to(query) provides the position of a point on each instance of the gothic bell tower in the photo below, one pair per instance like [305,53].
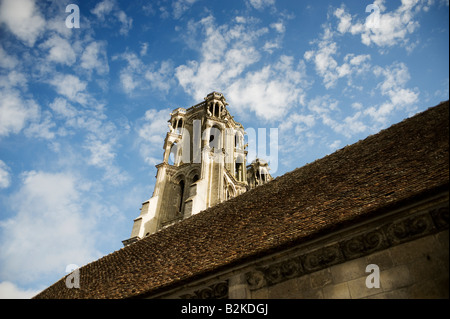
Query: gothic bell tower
[204,163]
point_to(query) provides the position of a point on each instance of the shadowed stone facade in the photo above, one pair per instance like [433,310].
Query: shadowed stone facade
[410,247]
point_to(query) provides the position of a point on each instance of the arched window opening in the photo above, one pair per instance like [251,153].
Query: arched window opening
[173,154]
[195,178]
[214,138]
[180,209]
[211,109]
[179,125]
[264,177]
[219,110]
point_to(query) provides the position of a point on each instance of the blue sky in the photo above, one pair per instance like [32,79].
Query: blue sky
[83,111]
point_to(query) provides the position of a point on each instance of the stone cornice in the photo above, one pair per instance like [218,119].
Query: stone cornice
[382,237]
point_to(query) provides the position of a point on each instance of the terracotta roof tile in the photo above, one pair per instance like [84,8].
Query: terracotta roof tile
[399,164]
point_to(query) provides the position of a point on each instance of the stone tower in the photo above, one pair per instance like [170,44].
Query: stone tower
[204,163]
[258,173]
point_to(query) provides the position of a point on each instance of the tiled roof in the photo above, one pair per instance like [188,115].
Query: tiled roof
[400,164]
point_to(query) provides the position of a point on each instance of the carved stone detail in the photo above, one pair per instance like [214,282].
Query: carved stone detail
[255,279]
[216,291]
[363,244]
[322,258]
[440,217]
[408,229]
[389,234]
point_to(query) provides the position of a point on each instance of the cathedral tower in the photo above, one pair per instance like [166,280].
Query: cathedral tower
[204,163]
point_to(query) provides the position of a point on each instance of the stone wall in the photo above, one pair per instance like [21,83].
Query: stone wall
[417,269]
[409,246]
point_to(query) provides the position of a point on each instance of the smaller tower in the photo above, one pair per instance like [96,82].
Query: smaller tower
[258,173]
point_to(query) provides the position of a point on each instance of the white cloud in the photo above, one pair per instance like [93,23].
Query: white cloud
[127,23]
[70,86]
[144,48]
[23,19]
[152,129]
[102,9]
[383,29]
[279,27]
[9,290]
[269,92]
[324,62]
[42,129]
[393,87]
[259,4]
[15,112]
[328,68]
[240,19]
[213,73]
[225,53]
[131,76]
[101,152]
[89,118]
[357,105]
[57,231]
[94,58]
[61,107]
[13,79]
[327,109]
[356,59]
[7,61]
[181,6]
[102,155]
[101,137]
[128,83]
[345,20]
[297,123]
[321,105]
[161,79]
[60,50]
[395,75]
[154,125]
[335,144]
[269,46]
[350,126]
[108,10]
[5,176]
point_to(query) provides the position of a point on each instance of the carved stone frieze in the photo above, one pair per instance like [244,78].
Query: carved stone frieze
[216,291]
[321,258]
[255,279]
[387,235]
[363,244]
[440,217]
[408,229]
